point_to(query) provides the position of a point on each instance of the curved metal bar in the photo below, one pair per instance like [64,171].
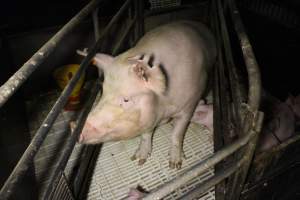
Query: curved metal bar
[254,95]
[249,57]
[15,81]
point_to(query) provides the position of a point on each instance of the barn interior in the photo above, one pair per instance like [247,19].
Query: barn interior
[61,168]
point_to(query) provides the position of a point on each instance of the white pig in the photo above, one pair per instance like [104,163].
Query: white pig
[163,77]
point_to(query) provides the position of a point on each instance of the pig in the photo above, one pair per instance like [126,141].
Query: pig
[294,103]
[279,122]
[203,115]
[161,78]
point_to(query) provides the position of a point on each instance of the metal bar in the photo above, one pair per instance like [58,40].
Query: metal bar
[166,10]
[64,157]
[15,81]
[140,19]
[239,95]
[199,168]
[122,38]
[253,101]
[218,140]
[27,158]
[207,184]
[96,24]
[249,57]
[85,171]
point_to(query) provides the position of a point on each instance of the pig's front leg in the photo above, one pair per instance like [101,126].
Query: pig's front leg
[176,152]
[144,149]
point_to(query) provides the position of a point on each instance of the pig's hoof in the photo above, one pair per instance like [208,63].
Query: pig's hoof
[141,155]
[174,165]
[141,160]
[175,157]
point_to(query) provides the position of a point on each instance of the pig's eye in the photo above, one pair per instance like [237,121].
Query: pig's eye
[125,102]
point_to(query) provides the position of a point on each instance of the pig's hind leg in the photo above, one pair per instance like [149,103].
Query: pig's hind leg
[181,123]
[144,149]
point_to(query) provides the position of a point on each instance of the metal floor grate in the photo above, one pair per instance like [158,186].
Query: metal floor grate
[46,159]
[115,173]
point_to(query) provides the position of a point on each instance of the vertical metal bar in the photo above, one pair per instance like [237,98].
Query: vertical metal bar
[139,16]
[96,24]
[123,36]
[218,141]
[249,122]
[15,81]
[253,101]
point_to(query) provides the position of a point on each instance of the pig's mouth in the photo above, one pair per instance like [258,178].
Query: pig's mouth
[95,139]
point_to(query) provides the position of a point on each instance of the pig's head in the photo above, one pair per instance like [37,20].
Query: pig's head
[129,102]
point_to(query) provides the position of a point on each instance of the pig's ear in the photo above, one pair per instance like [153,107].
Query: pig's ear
[150,77]
[102,60]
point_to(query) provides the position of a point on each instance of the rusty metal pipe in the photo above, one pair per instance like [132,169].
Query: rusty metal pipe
[15,81]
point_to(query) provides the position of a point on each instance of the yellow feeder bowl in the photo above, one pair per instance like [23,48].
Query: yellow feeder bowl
[62,76]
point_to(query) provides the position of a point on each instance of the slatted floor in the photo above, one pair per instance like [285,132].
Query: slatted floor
[115,173]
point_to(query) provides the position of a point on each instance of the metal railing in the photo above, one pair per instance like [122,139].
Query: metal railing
[250,119]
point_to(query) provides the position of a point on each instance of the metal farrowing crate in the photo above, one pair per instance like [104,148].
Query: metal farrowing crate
[237,120]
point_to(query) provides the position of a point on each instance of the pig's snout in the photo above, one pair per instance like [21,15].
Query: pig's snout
[88,132]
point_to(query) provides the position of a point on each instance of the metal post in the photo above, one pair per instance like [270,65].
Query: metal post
[15,81]
[139,16]
[253,101]
[96,24]
[27,158]
[123,36]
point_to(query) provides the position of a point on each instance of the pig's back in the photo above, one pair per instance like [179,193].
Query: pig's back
[186,51]
[179,37]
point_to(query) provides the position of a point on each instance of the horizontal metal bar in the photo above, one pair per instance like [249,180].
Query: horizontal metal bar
[199,168]
[27,158]
[15,81]
[159,11]
[64,157]
[207,184]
